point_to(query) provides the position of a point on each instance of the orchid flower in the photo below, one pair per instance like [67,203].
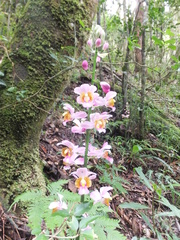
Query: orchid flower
[78,128]
[97,121]
[59,205]
[83,180]
[87,95]
[101,196]
[109,101]
[69,153]
[100,153]
[105,87]
[70,114]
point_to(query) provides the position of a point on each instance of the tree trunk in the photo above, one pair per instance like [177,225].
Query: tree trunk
[46,27]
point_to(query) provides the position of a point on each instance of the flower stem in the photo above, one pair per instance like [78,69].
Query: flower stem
[94,66]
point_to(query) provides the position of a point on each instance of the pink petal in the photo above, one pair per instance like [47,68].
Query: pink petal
[79,161]
[83,190]
[110,95]
[96,196]
[105,87]
[87,125]
[69,108]
[67,144]
[80,114]
[104,190]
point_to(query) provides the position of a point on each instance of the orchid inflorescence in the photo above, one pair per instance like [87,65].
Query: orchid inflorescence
[85,121]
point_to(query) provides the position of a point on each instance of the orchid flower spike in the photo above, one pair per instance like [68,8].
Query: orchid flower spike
[85,65]
[83,180]
[59,205]
[102,196]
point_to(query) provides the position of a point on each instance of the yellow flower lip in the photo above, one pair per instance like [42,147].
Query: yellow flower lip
[86,97]
[111,102]
[67,116]
[66,152]
[100,123]
[83,182]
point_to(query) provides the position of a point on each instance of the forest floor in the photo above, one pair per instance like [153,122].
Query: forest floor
[131,222]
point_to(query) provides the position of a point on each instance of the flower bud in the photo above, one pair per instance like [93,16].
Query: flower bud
[89,43]
[105,87]
[98,42]
[98,59]
[105,46]
[85,65]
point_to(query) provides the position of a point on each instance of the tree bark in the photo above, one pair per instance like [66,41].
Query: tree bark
[46,27]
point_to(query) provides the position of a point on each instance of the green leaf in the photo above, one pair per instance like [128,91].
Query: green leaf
[133,205]
[87,234]
[165,214]
[157,41]
[12,89]
[1,74]
[174,58]
[42,237]
[85,221]
[54,56]
[82,208]
[74,224]
[82,23]
[2,84]
[168,32]
[173,47]
[136,149]
[146,219]
[62,213]
[175,66]
[143,178]
[171,41]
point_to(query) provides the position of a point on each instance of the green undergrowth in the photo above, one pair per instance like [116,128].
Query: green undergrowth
[71,222]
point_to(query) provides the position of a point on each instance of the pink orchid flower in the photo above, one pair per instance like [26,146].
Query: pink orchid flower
[100,153]
[87,95]
[98,42]
[78,128]
[90,43]
[109,101]
[105,46]
[83,180]
[105,87]
[70,114]
[101,196]
[59,205]
[85,65]
[69,153]
[97,121]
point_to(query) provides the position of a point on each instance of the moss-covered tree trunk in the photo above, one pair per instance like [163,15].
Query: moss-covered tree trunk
[46,27]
